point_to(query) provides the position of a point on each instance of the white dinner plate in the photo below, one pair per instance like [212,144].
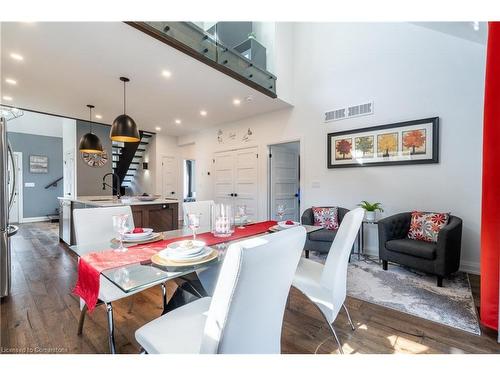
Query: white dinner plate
[134,236]
[282,224]
[149,237]
[186,246]
[177,256]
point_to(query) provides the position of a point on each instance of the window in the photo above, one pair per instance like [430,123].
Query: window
[189,181]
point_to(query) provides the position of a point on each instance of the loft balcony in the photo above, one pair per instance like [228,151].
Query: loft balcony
[234,48]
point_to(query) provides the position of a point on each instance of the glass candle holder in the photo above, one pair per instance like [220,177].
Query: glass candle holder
[223,220]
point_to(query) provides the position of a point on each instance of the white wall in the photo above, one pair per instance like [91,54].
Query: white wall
[37,124]
[410,72]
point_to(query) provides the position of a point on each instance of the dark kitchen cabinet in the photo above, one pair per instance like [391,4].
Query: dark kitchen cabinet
[160,217]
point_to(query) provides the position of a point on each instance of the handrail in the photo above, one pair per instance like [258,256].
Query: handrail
[54,183]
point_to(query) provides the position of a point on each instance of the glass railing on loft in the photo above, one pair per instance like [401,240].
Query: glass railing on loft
[242,50]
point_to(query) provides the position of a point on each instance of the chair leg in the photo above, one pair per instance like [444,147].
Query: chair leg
[384,265]
[440,281]
[348,316]
[307,253]
[164,297]
[111,328]
[83,313]
[341,351]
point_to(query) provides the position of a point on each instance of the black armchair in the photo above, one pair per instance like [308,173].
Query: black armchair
[441,258]
[320,240]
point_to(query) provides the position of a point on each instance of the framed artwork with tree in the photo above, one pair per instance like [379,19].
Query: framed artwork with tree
[409,142]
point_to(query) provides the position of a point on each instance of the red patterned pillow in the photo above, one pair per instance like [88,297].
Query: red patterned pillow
[326,217]
[425,226]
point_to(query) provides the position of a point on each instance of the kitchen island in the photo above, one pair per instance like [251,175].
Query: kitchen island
[161,214]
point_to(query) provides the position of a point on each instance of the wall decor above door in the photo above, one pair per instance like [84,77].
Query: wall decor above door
[409,142]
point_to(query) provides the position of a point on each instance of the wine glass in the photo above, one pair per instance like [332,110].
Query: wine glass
[280,211]
[121,226]
[242,214]
[193,223]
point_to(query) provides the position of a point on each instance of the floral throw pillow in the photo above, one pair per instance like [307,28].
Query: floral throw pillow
[425,226]
[326,217]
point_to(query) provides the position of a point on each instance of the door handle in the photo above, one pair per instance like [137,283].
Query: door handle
[296,195]
[231,195]
[173,192]
[235,194]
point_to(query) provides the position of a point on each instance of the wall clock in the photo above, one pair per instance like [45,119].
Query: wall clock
[95,160]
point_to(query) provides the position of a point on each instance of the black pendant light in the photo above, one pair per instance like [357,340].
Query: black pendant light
[124,128]
[90,143]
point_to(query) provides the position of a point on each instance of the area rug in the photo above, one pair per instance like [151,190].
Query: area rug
[414,293]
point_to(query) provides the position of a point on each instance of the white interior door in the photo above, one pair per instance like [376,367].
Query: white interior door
[170,175]
[224,177]
[246,188]
[14,213]
[284,180]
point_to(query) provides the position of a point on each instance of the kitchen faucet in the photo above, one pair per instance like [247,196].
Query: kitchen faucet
[104,184]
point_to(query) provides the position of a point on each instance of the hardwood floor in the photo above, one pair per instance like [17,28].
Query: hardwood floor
[41,315]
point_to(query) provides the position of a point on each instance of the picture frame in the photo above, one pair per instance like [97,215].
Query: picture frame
[39,164]
[400,143]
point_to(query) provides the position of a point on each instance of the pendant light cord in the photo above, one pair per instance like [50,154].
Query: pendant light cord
[90,119]
[124,98]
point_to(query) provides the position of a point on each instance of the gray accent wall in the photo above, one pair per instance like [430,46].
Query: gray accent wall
[89,179]
[38,201]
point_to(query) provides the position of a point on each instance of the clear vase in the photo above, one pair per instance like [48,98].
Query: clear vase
[222,220]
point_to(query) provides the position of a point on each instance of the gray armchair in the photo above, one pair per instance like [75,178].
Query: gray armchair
[322,239]
[440,259]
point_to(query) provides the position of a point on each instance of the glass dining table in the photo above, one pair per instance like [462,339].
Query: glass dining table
[138,276]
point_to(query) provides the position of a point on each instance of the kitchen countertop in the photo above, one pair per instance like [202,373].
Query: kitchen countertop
[108,201]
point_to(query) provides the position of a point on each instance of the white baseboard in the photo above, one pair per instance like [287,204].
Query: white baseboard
[470,267]
[465,266]
[35,219]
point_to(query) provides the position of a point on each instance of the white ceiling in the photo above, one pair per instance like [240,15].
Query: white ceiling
[69,65]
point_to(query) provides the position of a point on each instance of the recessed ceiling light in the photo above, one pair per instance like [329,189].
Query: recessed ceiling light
[236,101]
[98,117]
[11,81]
[8,98]
[157,128]
[203,113]
[249,98]
[166,73]
[177,121]
[16,56]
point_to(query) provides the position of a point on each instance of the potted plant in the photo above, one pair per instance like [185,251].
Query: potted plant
[370,209]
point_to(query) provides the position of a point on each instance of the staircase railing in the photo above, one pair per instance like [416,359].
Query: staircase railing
[201,45]
[54,183]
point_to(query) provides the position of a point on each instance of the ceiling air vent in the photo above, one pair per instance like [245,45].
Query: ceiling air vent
[348,112]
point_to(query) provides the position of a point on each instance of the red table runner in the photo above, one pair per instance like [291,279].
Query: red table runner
[91,265]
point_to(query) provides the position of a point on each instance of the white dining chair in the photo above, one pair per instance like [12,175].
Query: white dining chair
[245,314]
[94,226]
[204,208]
[326,285]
